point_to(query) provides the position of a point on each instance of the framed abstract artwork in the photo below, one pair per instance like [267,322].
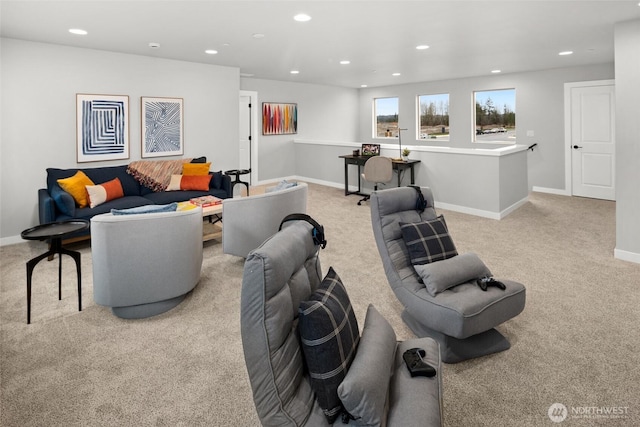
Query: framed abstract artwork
[279,119]
[102,127]
[162,126]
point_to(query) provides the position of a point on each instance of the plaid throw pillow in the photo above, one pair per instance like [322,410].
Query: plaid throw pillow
[428,241]
[329,334]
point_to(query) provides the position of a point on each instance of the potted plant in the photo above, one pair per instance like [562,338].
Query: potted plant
[405,154]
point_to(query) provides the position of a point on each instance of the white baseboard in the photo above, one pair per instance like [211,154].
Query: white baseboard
[557,191]
[11,240]
[480,212]
[626,256]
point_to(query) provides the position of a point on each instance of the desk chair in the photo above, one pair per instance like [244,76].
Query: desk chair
[378,170]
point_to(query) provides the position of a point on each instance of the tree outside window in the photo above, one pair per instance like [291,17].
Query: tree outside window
[433,119]
[495,115]
[386,117]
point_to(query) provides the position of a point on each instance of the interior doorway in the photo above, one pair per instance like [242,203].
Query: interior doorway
[248,136]
[590,139]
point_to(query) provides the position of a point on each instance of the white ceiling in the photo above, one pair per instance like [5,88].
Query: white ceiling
[466,38]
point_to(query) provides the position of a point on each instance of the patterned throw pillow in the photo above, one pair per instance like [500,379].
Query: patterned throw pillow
[329,334]
[428,241]
[98,194]
[76,186]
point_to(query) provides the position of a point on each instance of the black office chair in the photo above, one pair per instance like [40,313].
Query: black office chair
[378,170]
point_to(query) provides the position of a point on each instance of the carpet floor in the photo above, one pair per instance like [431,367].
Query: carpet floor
[576,343]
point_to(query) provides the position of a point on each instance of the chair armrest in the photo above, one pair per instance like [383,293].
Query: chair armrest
[46,206]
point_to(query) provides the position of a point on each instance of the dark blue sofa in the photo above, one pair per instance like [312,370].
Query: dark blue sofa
[54,204]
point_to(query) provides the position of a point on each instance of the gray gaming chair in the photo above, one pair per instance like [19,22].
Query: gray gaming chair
[378,170]
[461,319]
[280,274]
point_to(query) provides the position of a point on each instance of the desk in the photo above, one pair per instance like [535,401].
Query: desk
[398,166]
[54,231]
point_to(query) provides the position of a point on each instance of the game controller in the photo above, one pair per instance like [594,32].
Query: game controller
[485,282]
[416,365]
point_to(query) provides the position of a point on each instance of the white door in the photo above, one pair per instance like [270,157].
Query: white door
[592,141]
[245,134]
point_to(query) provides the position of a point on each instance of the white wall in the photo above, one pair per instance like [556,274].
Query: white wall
[327,113]
[627,56]
[39,83]
[539,108]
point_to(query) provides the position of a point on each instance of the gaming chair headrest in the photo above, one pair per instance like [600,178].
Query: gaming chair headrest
[318,230]
[421,203]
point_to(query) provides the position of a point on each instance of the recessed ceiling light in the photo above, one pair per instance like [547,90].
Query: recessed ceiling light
[363,85]
[294,72]
[395,74]
[302,17]
[246,75]
[154,45]
[496,71]
[566,52]
[345,62]
[422,47]
[211,51]
[258,36]
[78,31]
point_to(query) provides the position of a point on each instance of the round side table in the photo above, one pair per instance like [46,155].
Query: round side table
[55,232]
[237,173]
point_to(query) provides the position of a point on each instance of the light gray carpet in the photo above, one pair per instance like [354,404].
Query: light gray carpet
[576,342]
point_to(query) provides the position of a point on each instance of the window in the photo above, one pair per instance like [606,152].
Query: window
[495,115]
[433,117]
[385,111]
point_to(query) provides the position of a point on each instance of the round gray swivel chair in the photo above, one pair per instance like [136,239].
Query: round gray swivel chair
[462,319]
[378,170]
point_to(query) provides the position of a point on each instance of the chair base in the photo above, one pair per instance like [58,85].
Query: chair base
[454,350]
[364,199]
[147,310]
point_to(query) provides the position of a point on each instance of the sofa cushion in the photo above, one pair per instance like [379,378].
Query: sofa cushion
[75,185]
[364,390]
[98,194]
[428,241]
[130,186]
[442,275]
[63,200]
[329,335]
[196,168]
[216,181]
[202,159]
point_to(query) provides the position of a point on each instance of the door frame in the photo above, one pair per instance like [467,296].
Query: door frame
[568,164]
[253,149]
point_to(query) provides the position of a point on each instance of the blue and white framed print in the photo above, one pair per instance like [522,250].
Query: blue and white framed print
[102,127]
[162,127]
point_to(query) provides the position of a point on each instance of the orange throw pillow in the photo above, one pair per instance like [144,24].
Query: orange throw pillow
[195,182]
[196,168]
[76,186]
[98,194]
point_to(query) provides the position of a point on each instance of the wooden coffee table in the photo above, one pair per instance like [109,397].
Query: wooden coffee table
[212,229]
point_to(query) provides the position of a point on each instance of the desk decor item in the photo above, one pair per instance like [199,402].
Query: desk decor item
[102,127]
[279,119]
[162,124]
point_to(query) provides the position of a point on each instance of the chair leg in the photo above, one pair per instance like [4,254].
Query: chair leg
[368,196]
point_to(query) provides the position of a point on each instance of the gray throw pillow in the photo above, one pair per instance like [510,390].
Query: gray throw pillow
[364,391]
[329,335]
[171,207]
[428,241]
[442,275]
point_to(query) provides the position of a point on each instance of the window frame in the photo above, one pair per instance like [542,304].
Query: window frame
[419,117]
[509,132]
[375,117]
